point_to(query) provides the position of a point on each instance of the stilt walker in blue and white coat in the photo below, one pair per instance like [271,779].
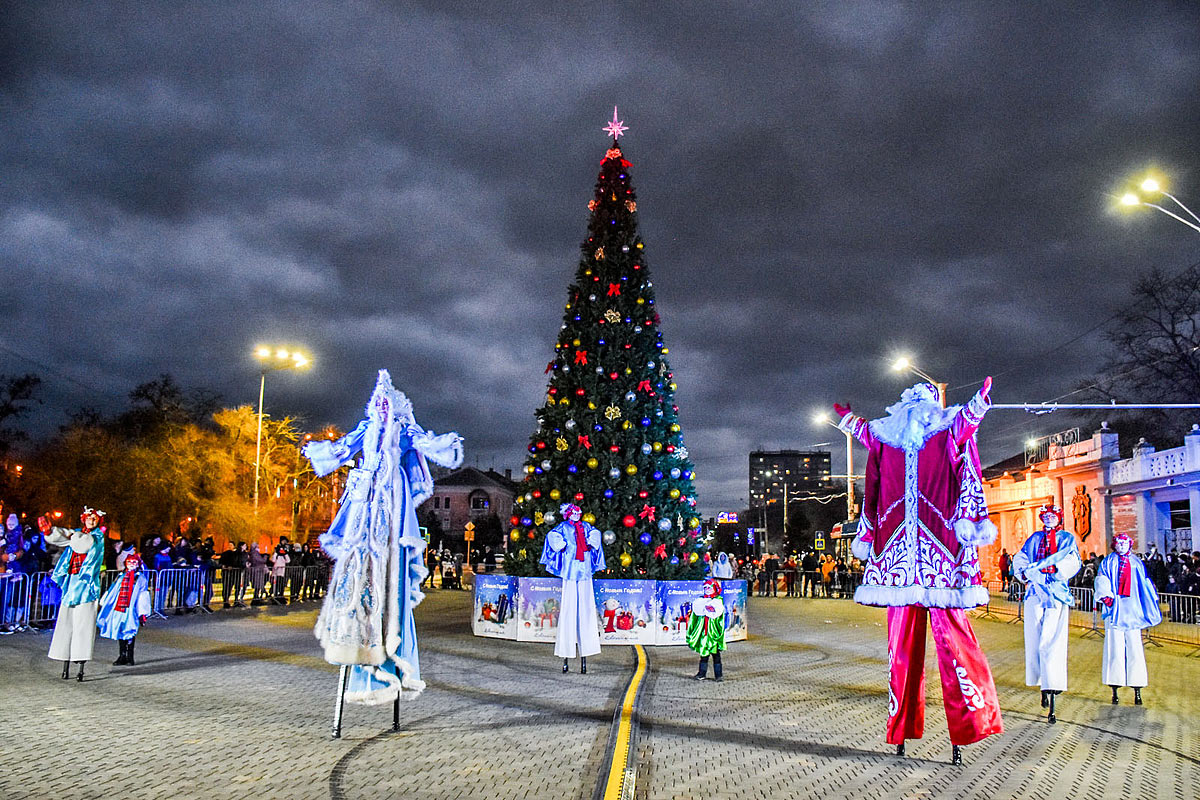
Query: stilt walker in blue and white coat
[1128,603]
[1048,559]
[366,622]
[78,576]
[573,552]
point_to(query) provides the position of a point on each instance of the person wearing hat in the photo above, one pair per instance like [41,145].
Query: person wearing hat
[573,552]
[924,516]
[78,577]
[1046,562]
[1128,603]
[706,629]
[124,607]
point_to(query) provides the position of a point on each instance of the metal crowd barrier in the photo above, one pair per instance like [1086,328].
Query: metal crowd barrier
[31,601]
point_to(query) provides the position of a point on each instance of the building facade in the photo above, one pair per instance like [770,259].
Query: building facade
[468,495]
[1152,496]
[798,472]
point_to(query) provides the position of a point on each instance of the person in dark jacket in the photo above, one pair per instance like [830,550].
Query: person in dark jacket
[233,575]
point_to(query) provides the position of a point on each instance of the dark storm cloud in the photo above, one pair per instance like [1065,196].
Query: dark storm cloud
[821,185]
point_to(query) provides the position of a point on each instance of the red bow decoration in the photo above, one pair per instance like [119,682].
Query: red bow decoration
[648,512]
[581,356]
[644,386]
[660,551]
[549,367]
[583,440]
[614,290]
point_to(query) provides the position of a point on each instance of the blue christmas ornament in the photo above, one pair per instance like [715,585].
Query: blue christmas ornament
[571,468]
[657,475]
[675,472]
[630,397]
[646,448]
[664,524]
[645,422]
[526,521]
[538,470]
[674,559]
[597,427]
[644,538]
[608,493]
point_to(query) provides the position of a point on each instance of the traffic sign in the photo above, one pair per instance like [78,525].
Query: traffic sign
[469,532]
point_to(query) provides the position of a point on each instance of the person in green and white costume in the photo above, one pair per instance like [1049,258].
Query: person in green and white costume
[706,628]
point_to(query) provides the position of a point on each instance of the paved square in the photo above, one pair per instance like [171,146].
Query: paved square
[239,704]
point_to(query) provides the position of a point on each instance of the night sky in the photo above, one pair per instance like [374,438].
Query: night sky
[821,186]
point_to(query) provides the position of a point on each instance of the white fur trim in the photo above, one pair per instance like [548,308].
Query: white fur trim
[975,534]
[387,694]
[349,655]
[860,547]
[937,597]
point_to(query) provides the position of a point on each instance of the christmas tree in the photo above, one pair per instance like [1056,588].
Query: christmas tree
[608,437]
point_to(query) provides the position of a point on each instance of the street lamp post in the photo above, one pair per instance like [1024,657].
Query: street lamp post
[271,359]
[903,364]
[1153,186]
[823,417]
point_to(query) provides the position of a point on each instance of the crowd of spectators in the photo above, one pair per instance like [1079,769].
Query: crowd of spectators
[804,574]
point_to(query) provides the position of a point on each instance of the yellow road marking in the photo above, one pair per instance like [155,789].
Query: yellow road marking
[620,758]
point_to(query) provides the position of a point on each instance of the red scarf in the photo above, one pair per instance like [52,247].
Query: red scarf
[580,542]
[1124,576]
[1048,545]
[125,594]
[76,563]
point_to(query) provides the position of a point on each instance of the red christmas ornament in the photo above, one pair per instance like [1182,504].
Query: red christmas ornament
[541,445]
[612,375]
[537,492]
[515,521]
[552,390]
[629,521]
[579,391]
[579,497]
[643,494]
[670,448]
[614,448]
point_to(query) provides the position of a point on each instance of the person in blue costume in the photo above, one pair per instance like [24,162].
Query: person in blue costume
[1048,559]
[366,620]
[78,577]
[125,606]
[1128,603]
[573,552]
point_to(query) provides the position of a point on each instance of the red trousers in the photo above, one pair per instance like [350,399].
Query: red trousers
[972,710]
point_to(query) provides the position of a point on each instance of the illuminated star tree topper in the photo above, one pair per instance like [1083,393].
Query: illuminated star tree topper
[616,127]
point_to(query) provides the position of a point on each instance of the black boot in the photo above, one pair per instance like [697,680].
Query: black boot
[900,749]
[956,756]
[129,651]
[124,657]
[1137,695]
[79,677]
[566,665]
[1050,717]
[66,670]
[583,665]
[1114,700]
[1045,699]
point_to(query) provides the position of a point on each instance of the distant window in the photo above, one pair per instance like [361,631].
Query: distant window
[479,503]
[437,502]
[446,503]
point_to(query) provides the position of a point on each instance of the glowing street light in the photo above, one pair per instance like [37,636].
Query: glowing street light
[271,359]
[1151,186]
[904,364]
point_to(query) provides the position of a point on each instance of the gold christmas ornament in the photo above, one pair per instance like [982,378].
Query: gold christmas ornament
[612,316]
[589,518]
[612,412]
[560,444]
[626,559]
[555,494]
